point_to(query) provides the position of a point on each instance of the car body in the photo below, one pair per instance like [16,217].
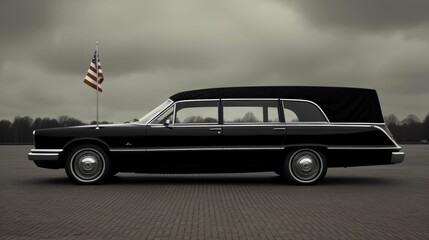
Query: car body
[297,132]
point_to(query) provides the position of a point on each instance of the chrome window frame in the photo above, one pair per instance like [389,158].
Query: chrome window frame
[248,99]
[302,124]
[194,124]
[157,115]
[248,123]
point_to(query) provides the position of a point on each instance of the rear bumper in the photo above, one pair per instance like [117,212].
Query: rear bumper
[44,154]
[397,157]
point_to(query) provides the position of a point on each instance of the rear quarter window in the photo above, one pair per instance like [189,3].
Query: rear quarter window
[301,111]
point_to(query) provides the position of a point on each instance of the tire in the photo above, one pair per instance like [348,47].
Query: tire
[88,164]
[305,166]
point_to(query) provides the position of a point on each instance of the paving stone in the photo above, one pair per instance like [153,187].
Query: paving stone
[378,202]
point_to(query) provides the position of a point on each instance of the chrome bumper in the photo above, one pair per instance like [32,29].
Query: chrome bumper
[44,154]
[397,157]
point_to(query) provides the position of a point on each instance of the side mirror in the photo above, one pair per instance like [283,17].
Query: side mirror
[167,122]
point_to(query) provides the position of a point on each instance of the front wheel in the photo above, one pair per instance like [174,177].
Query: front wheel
[305,166]
[87,164]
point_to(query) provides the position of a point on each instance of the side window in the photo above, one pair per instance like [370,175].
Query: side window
[197,112]
[298,111]
[161,119]
[290,116]
[248,111]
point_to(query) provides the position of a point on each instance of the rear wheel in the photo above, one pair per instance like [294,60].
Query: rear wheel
[88,164]
[305,166]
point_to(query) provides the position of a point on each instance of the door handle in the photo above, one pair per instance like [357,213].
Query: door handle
[218,130]
[279,129]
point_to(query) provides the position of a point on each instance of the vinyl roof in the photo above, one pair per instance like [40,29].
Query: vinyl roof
[340,104]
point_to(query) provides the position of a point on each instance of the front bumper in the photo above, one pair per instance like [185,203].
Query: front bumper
[397,157]
[44,154]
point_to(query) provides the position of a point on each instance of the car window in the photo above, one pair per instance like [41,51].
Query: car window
[155,112]
[161,119]
[249,111]
[197,112]
[300,111]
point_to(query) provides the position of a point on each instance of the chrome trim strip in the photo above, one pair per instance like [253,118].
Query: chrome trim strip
[249,99]
[182,149]
[191,149]
[253,148]
[303,100]
[199,100]
[184,125]
[164,149]
[363,148]
[46,150]
[397,157]
[276,124]
[43,156]
[288,124]
[308,123]
[304,124]
[243,148]
[391,139]
[193,124]
[359,123]
[128,150]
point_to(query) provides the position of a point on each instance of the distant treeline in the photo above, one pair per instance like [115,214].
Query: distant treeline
[410,129]
[21,129]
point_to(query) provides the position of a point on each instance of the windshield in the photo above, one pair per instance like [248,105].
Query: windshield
[154,112]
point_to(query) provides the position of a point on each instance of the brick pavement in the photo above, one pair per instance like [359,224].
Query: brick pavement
[379,202]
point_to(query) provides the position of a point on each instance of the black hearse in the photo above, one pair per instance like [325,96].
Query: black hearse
[297,132]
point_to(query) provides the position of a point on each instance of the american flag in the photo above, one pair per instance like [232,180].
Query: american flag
[91,75]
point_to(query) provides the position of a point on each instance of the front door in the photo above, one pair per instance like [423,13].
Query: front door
[192,137]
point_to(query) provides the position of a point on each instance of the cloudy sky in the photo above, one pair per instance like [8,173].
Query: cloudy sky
[150,50]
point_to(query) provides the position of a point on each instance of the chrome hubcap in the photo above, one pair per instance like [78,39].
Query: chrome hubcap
[306,165]
[87,164]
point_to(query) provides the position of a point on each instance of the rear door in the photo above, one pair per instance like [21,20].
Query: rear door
[252,130]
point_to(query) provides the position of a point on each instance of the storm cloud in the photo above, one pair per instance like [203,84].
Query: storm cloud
[366,15]
[152,49]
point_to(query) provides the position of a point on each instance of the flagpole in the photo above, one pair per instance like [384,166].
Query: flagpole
[98,83]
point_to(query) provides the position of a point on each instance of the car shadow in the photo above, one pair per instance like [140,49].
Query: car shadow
[49,181]
[196,179]
[357,180]
[235,179]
